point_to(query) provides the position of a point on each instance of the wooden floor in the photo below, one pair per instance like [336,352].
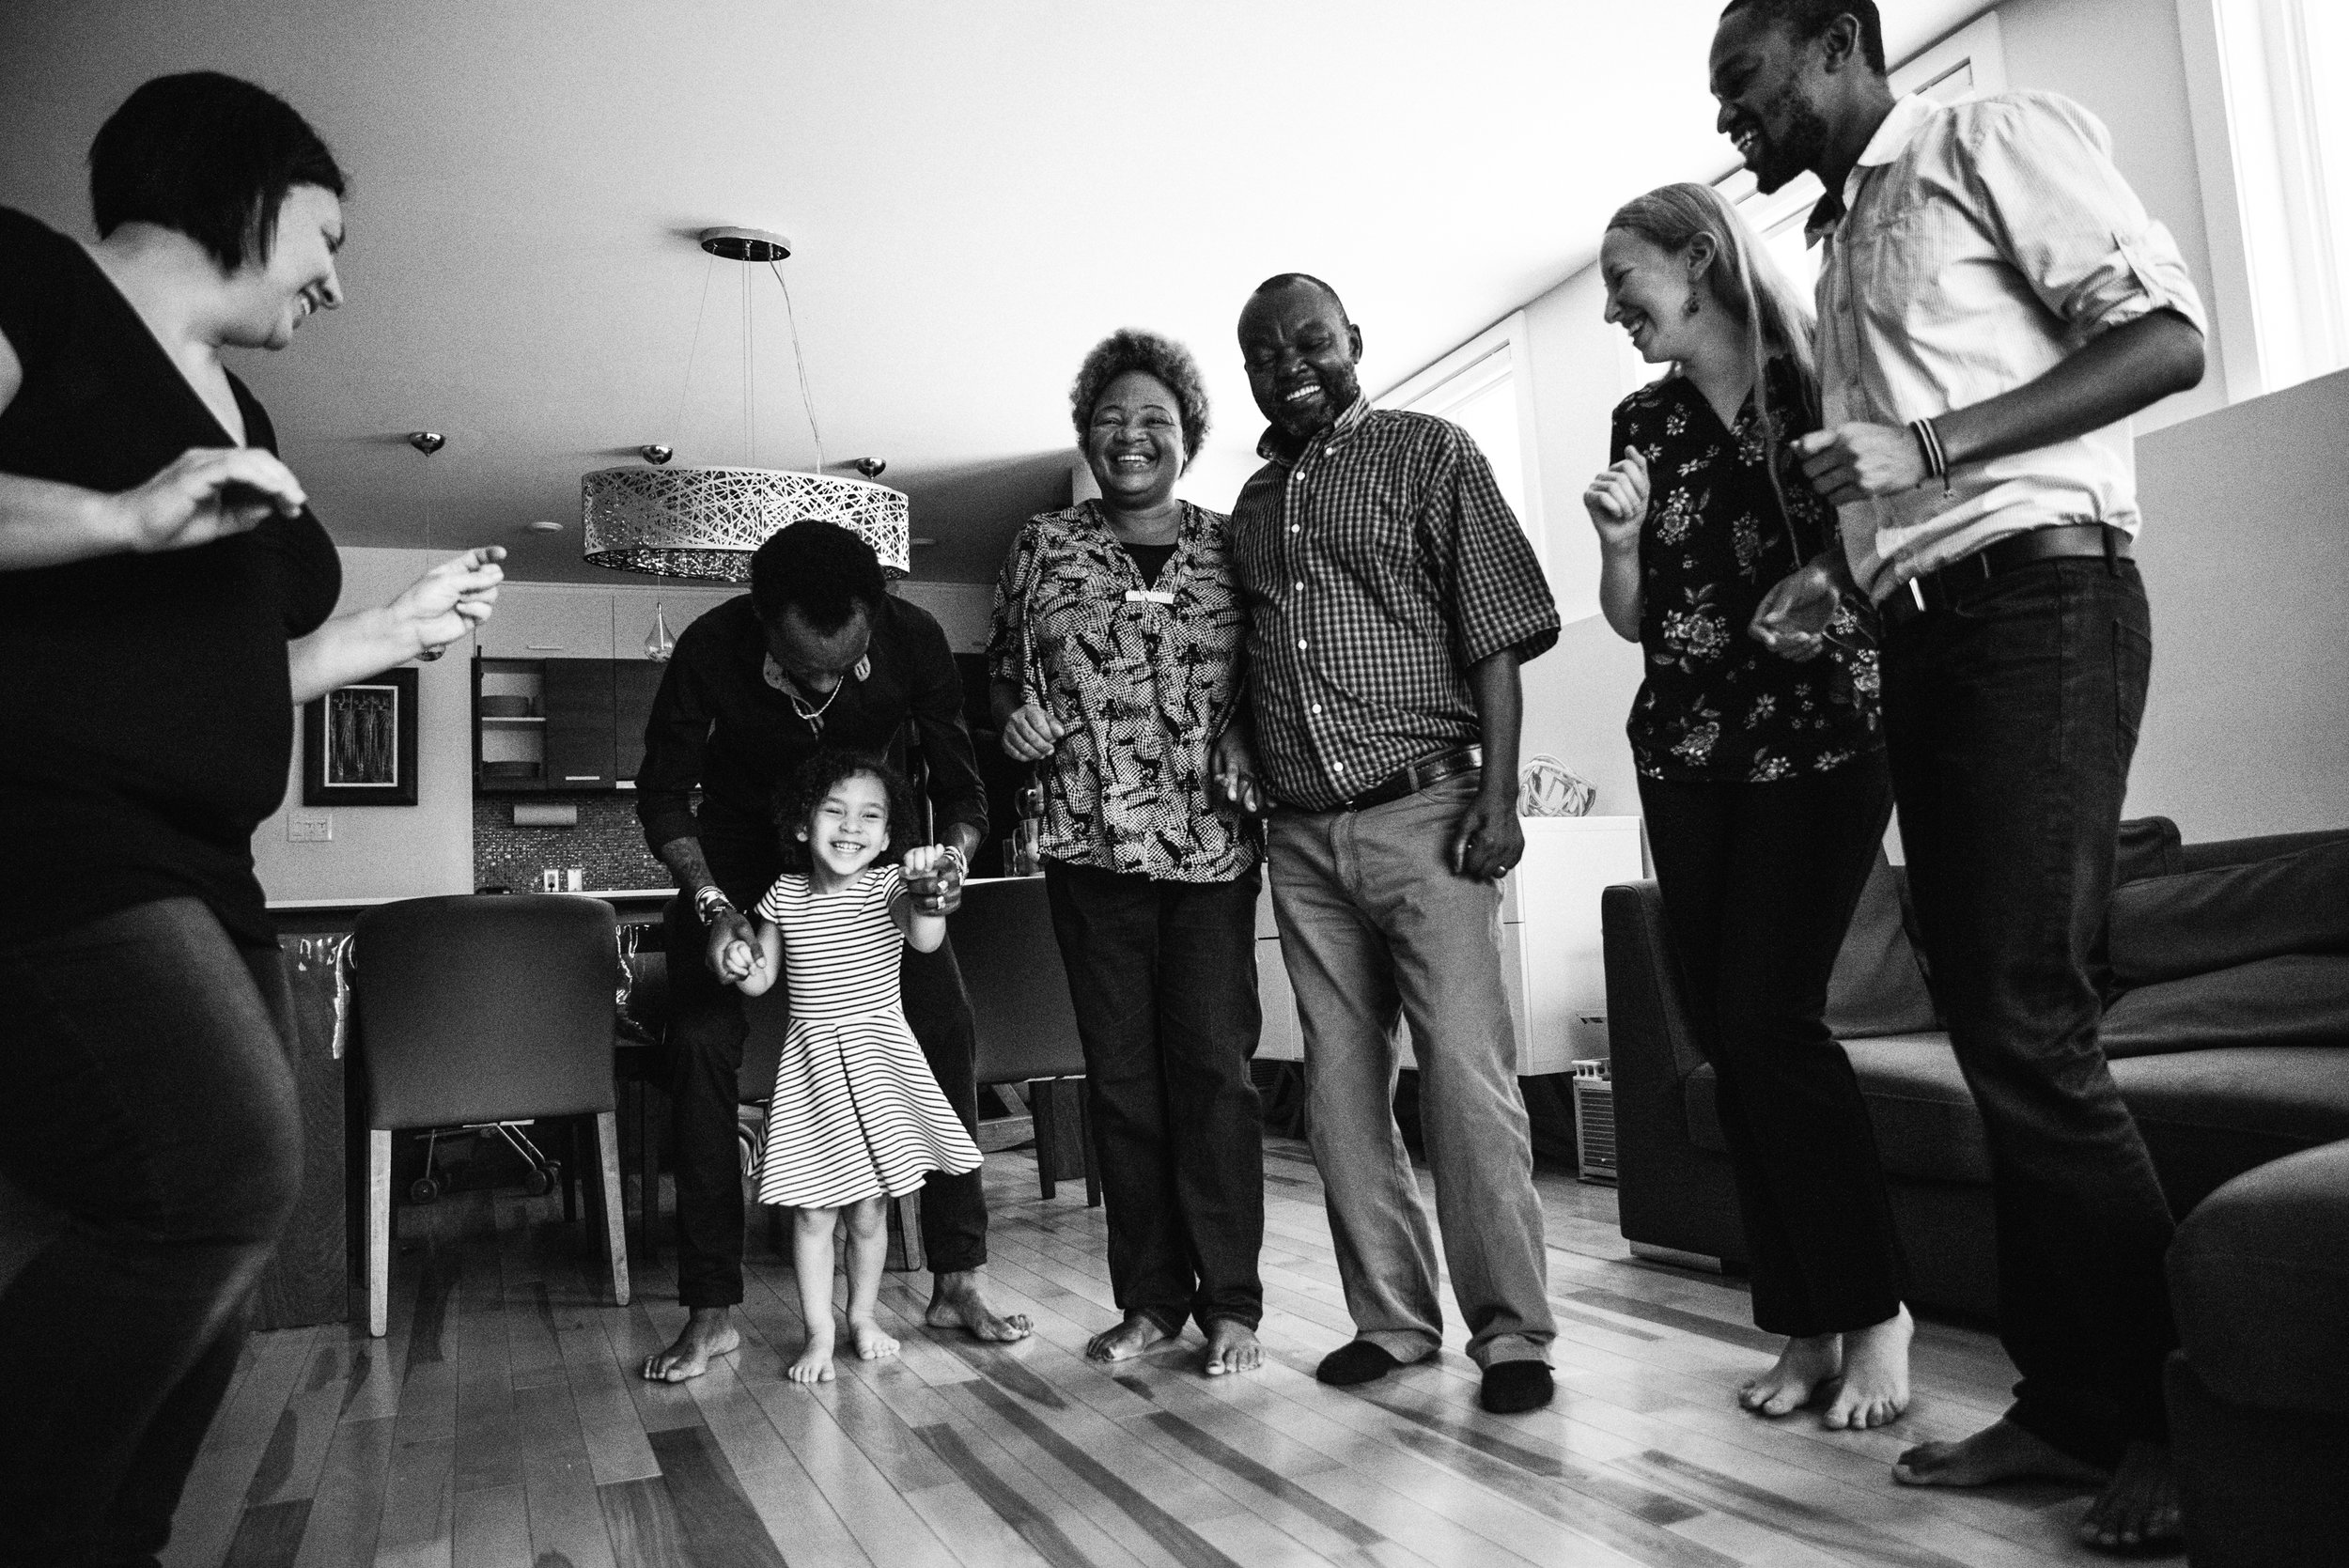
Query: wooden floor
[503,1424]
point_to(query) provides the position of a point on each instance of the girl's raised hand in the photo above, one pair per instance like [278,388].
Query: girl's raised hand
[1617,500]
[739,960]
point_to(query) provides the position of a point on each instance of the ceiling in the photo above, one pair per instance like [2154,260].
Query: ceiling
[976,192]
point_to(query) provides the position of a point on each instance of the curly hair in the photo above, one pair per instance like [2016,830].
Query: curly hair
[1131,349]
[804,790]
[821,570]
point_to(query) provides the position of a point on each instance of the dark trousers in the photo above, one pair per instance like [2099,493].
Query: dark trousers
[146,1099]
[2012,715]
[1759,882]
[1162,976]
[703,1047]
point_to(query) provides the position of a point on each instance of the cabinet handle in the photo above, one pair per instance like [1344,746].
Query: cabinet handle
[544,647]
[583,778]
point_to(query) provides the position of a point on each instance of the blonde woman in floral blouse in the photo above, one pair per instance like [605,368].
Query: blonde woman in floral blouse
[1762,775]
[1114,666]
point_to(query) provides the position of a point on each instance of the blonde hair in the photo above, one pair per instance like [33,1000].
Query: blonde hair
[1746,282]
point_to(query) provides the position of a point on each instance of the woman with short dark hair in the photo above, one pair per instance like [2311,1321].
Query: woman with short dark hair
[1115,666]
[164,603]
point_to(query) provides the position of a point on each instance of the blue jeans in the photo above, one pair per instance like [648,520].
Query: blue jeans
[1375,923]
[2010,717]
[1162,976]
[146,1096]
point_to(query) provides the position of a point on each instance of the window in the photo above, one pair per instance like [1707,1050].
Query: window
[2272,126]
[1479,386]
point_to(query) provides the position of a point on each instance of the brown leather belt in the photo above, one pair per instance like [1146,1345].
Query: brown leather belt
[1938,590]
[1415,776]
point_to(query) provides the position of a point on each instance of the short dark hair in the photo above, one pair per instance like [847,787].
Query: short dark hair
[1807,19]
[1162,358]
[210,156]
[1292,280]
[821,569]
[800,794]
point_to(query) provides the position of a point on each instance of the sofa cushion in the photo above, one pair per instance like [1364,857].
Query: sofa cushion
[2166,927]
[1926,1124]
[2259,1276]
[2147,847]
[2301,998]
[1878,986]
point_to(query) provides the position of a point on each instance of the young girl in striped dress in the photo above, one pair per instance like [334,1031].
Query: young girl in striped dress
[857,1117]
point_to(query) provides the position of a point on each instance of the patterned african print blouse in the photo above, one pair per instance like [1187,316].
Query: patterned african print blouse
[1717,704]
[1143,675]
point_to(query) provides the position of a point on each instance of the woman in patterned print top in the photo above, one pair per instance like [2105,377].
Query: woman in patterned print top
[1762,775]
[1115,665]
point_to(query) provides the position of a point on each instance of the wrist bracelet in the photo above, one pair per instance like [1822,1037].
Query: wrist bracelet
[1929,447]
[962,861]
[708,900]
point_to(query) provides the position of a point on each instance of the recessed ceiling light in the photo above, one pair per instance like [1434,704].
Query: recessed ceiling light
[544,525]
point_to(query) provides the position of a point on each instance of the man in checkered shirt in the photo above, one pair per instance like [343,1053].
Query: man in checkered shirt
[1392,596]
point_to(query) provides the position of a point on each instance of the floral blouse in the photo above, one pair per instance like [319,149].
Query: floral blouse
[1716,704]
[1145,674]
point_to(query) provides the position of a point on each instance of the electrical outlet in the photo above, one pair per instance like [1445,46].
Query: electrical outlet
[309,827]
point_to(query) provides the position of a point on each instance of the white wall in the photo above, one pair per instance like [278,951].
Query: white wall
[388,851]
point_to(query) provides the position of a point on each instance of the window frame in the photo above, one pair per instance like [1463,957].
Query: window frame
[1425,392]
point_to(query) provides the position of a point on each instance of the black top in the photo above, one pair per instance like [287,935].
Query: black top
[718,725]
[1717,704]
[145,701]
[1150,560]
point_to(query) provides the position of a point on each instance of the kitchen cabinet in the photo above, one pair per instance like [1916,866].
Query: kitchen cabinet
[1550,955]
[546,620]
[580,738]
[634,682]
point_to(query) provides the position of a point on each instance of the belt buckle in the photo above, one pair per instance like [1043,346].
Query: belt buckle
[1917,593]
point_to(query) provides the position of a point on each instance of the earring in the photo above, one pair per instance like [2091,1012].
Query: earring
[1692,307]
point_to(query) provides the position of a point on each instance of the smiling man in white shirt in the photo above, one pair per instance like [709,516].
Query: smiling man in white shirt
[1994,304]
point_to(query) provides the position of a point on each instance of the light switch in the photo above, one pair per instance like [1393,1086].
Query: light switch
[309,827]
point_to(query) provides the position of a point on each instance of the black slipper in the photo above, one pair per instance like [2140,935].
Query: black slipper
[1358,1361]
[1512,1387]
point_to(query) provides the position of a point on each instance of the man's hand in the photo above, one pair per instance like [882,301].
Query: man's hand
[1031,733]
[934,878]
[1853,462]
[730,934]
[1617,500]
[1793,615]
[1232,763]
[1489,840]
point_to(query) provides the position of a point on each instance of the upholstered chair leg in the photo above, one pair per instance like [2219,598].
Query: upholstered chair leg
[614,1209]
[378,1231]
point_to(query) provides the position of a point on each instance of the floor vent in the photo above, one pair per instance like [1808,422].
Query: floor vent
[1594,1121]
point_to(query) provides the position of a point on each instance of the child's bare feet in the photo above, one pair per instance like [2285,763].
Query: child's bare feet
[1875,1375]
[1138,1333]
[1231,1347]
[708,1333]
[815,1362]
[1801,1369]
[871,1343]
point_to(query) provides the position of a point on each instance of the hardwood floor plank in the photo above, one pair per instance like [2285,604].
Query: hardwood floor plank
[246,1432]
[567,1523]
[644,1526]
[348,1506]
[609,1427]
[722,1529]
[888,1529]
[1036,1527]
[269,1536]
[490,1529]
[418,1506]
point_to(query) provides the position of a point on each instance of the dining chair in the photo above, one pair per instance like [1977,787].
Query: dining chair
[474,1011]
[1027,1027]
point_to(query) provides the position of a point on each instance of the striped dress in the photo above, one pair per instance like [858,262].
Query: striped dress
[856,1112]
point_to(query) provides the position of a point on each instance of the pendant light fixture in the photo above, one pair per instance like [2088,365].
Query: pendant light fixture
[428,442]
[706,522]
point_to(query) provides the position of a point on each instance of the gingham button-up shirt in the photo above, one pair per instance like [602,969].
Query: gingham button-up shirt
[1973,248]
[1380,564]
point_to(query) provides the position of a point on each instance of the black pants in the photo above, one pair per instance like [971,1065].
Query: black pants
[145,1095]
[1162,976]
[2012,716]
[704,1046]
[1759,882]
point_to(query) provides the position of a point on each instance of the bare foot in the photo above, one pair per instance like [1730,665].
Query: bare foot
[956,1302]
[1875,1375]
[1231,1347]
[871,1343]
[708,1332]
[2138,1509]
[815,1362]
[1803,1367]
[2000,1451]
[1138,1333]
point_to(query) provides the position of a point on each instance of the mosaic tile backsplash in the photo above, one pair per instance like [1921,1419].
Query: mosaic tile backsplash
[608,845]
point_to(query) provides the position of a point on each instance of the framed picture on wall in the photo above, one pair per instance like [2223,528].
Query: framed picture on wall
[359,743]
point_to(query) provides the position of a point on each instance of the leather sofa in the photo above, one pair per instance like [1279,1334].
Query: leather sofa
[2227,970]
